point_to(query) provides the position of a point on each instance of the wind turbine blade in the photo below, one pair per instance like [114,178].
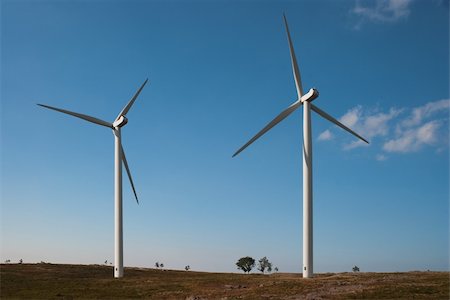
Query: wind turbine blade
[274,122]
[125,163]
[81,116]
[295,70]
[333,120]
[130,103]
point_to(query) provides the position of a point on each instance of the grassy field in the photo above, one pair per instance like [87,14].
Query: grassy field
[54,281]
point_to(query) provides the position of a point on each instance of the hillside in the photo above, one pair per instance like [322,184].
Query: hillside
[54,281]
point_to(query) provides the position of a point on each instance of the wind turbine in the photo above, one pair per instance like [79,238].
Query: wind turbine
[119,157]
[305,100]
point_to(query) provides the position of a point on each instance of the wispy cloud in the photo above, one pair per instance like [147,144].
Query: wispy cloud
[355,144]
[381,157]
[352,116]
[419,113]
[381,11]
[369,125]
[413,139]
[418,128]
[325,136]
[399,130]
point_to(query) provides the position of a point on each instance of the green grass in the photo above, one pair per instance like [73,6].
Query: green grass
[52,281]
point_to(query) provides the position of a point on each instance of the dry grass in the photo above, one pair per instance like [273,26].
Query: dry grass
[50,281]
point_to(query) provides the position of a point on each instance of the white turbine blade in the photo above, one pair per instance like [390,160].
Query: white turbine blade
[333,120]
[125,163]
[130,103]
[274,122]
[295,70]
[81,116]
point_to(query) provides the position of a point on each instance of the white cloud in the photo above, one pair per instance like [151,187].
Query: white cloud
[400,130]
[426,134]
[352,116]
[402,144]
[325,136]
[413,139]
[368,126]
[381,157]
[355,144]
[381,11]
[419,113]
[416,130]
[377,124]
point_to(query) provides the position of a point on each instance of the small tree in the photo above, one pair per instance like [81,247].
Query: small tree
[355,269]
[187,268]
[276,269]
[20,261]
[264,264]
[246,264]
[161,265]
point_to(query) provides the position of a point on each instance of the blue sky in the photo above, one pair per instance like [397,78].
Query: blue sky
[218,72]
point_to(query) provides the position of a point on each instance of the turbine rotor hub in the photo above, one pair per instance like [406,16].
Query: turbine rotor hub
[310,95]
[120,122]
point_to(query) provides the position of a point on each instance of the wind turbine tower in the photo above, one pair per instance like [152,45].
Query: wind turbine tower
[119,158]
[305,100]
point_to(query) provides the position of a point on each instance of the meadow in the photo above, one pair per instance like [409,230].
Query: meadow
[60,281]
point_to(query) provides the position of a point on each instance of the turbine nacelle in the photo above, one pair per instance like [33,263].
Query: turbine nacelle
[310,95]
[120,122]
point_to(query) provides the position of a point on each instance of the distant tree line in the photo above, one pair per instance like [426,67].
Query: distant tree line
[247,263]
[159,265]
[9,261]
